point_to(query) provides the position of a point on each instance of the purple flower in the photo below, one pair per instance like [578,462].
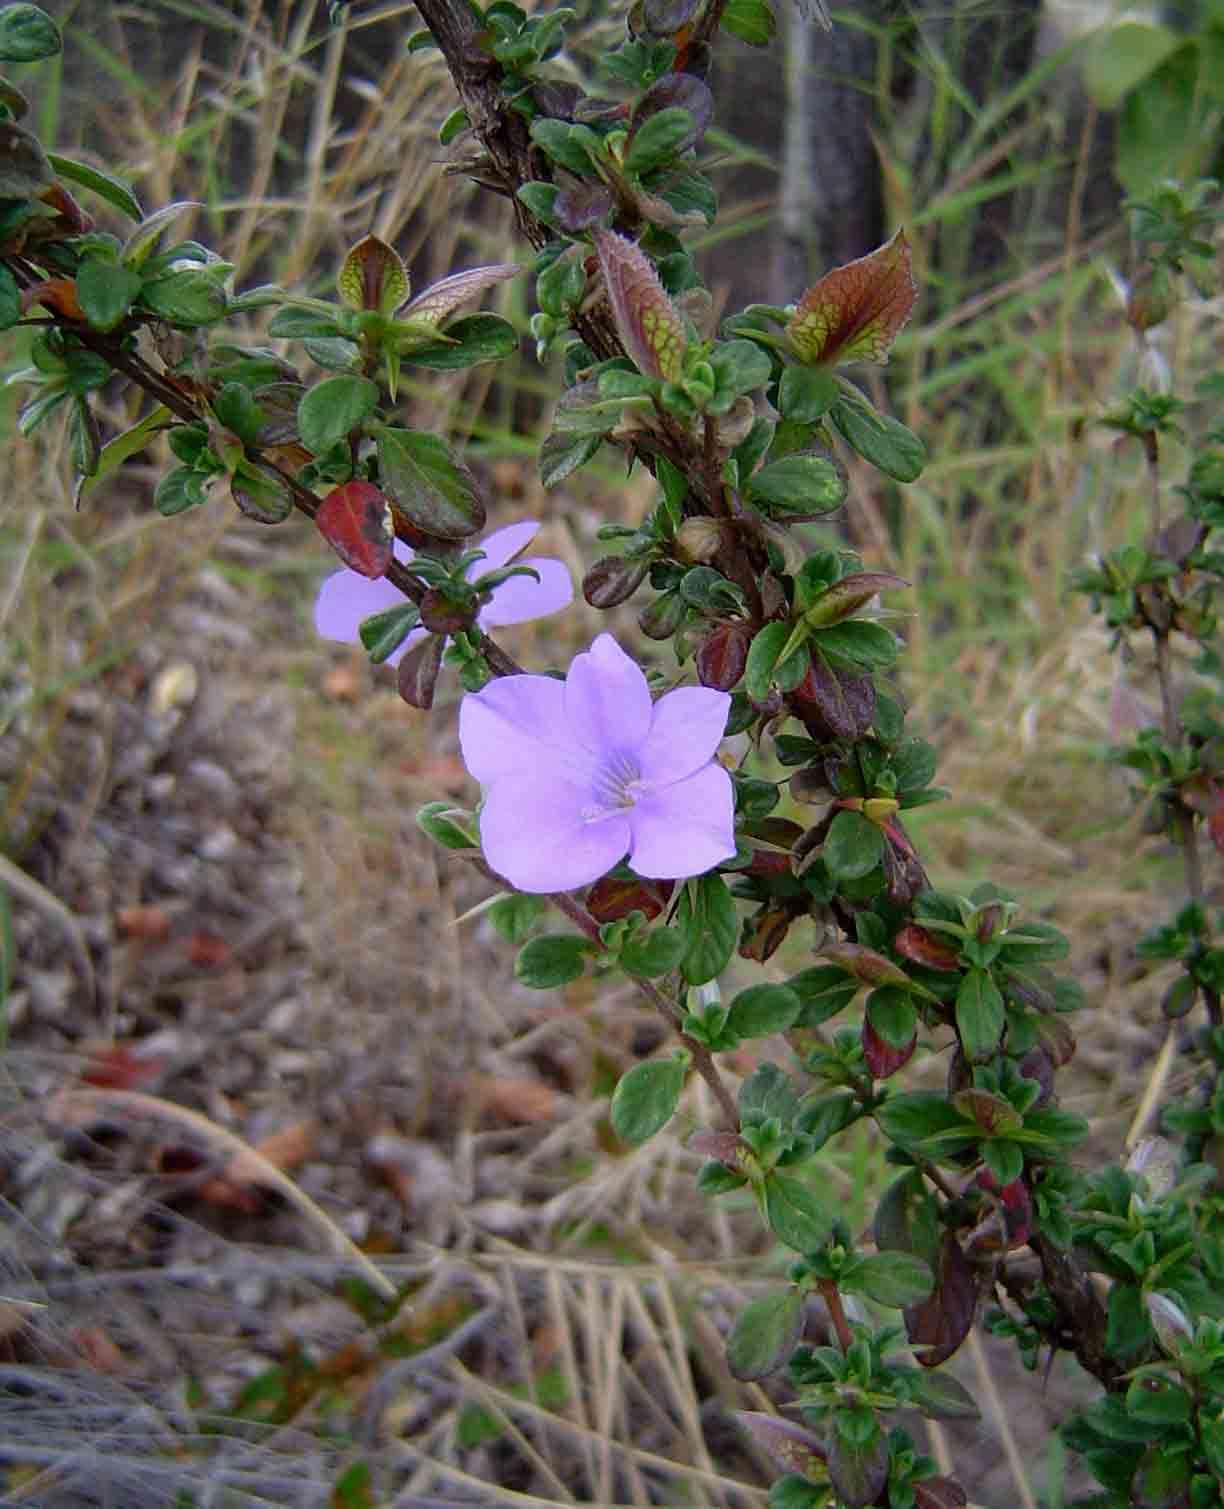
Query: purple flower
[345,598]
[577,774]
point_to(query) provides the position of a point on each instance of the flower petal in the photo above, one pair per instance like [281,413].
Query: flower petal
[346,597]
[686,828]
[515,725]
[687,727]
[535,835]
[522,598]
[503,545]
[607,701]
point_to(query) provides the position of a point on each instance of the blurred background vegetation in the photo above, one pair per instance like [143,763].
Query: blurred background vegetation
[256,1033]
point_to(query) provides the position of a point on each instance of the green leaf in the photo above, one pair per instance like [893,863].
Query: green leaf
[1003,1158]
[1127,1327]
[794,1214]
[27,34]
[10,299]
[939,1396]
[331,410]
[739,367]
[823,991]
[878,438]
[455,123]
[470,340]
[515,915]
[825,1116]
[566,149]
[561,455]
[706,917]
[1122,56]
[189,297]
[1156,121]
[294,324]
[383,633]
[260,495]
[765,1333]
[106,291]
[762,1010]
[177,491]
[853,846]
[646,1097]
[551,960]
[764,667]
[752,21]
[889,1278]
[767,1094]
[24,170]
[452,827]
[922,1115]
[653,953]
[893,1016]
[115,192]
[806,394]
[980,1016]
[802,483]
[1158,1400]
[658,139]
[130,443]
[435,491]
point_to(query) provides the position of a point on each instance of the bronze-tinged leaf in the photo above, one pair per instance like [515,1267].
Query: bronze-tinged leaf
[994,1115]
[938,1326]
[355,520]
[418,672]
[919,946]
[882,1058]
[373,276]
[939,1493]
[866,965]
[725,1146]
[613,580]
[722,656]
[580,205]
[904,876]
[647,321]
[834,704]
[614,897]
[855,312]
[764,933]
[59,295]
[684,90]
[792,1448]
[440,299]
[441,614]
[859,1472]
[845,597]
[1056,1038]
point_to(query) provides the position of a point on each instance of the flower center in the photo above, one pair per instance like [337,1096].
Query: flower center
[616,786]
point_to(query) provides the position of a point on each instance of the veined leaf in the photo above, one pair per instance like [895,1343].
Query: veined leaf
[855,312]
[647,321]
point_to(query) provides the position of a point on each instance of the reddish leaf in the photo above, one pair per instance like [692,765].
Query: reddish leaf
[882,1058]
[580,205]
[207,949]
[1036,1065]
[792,1448]
[834,704]
[355,520]
[1056,1038]
[73,219]
[764,933]
[373,276]
[613,897]
[939,1493]
[915,943]
[768,862]
[58,295]
[418,672]
[684,90]
[855,312]
[647,321]
[722,656]
[122,1067]
[1010,1223]
[444,297]
[149,924]
[1206,797]
[939,1324]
